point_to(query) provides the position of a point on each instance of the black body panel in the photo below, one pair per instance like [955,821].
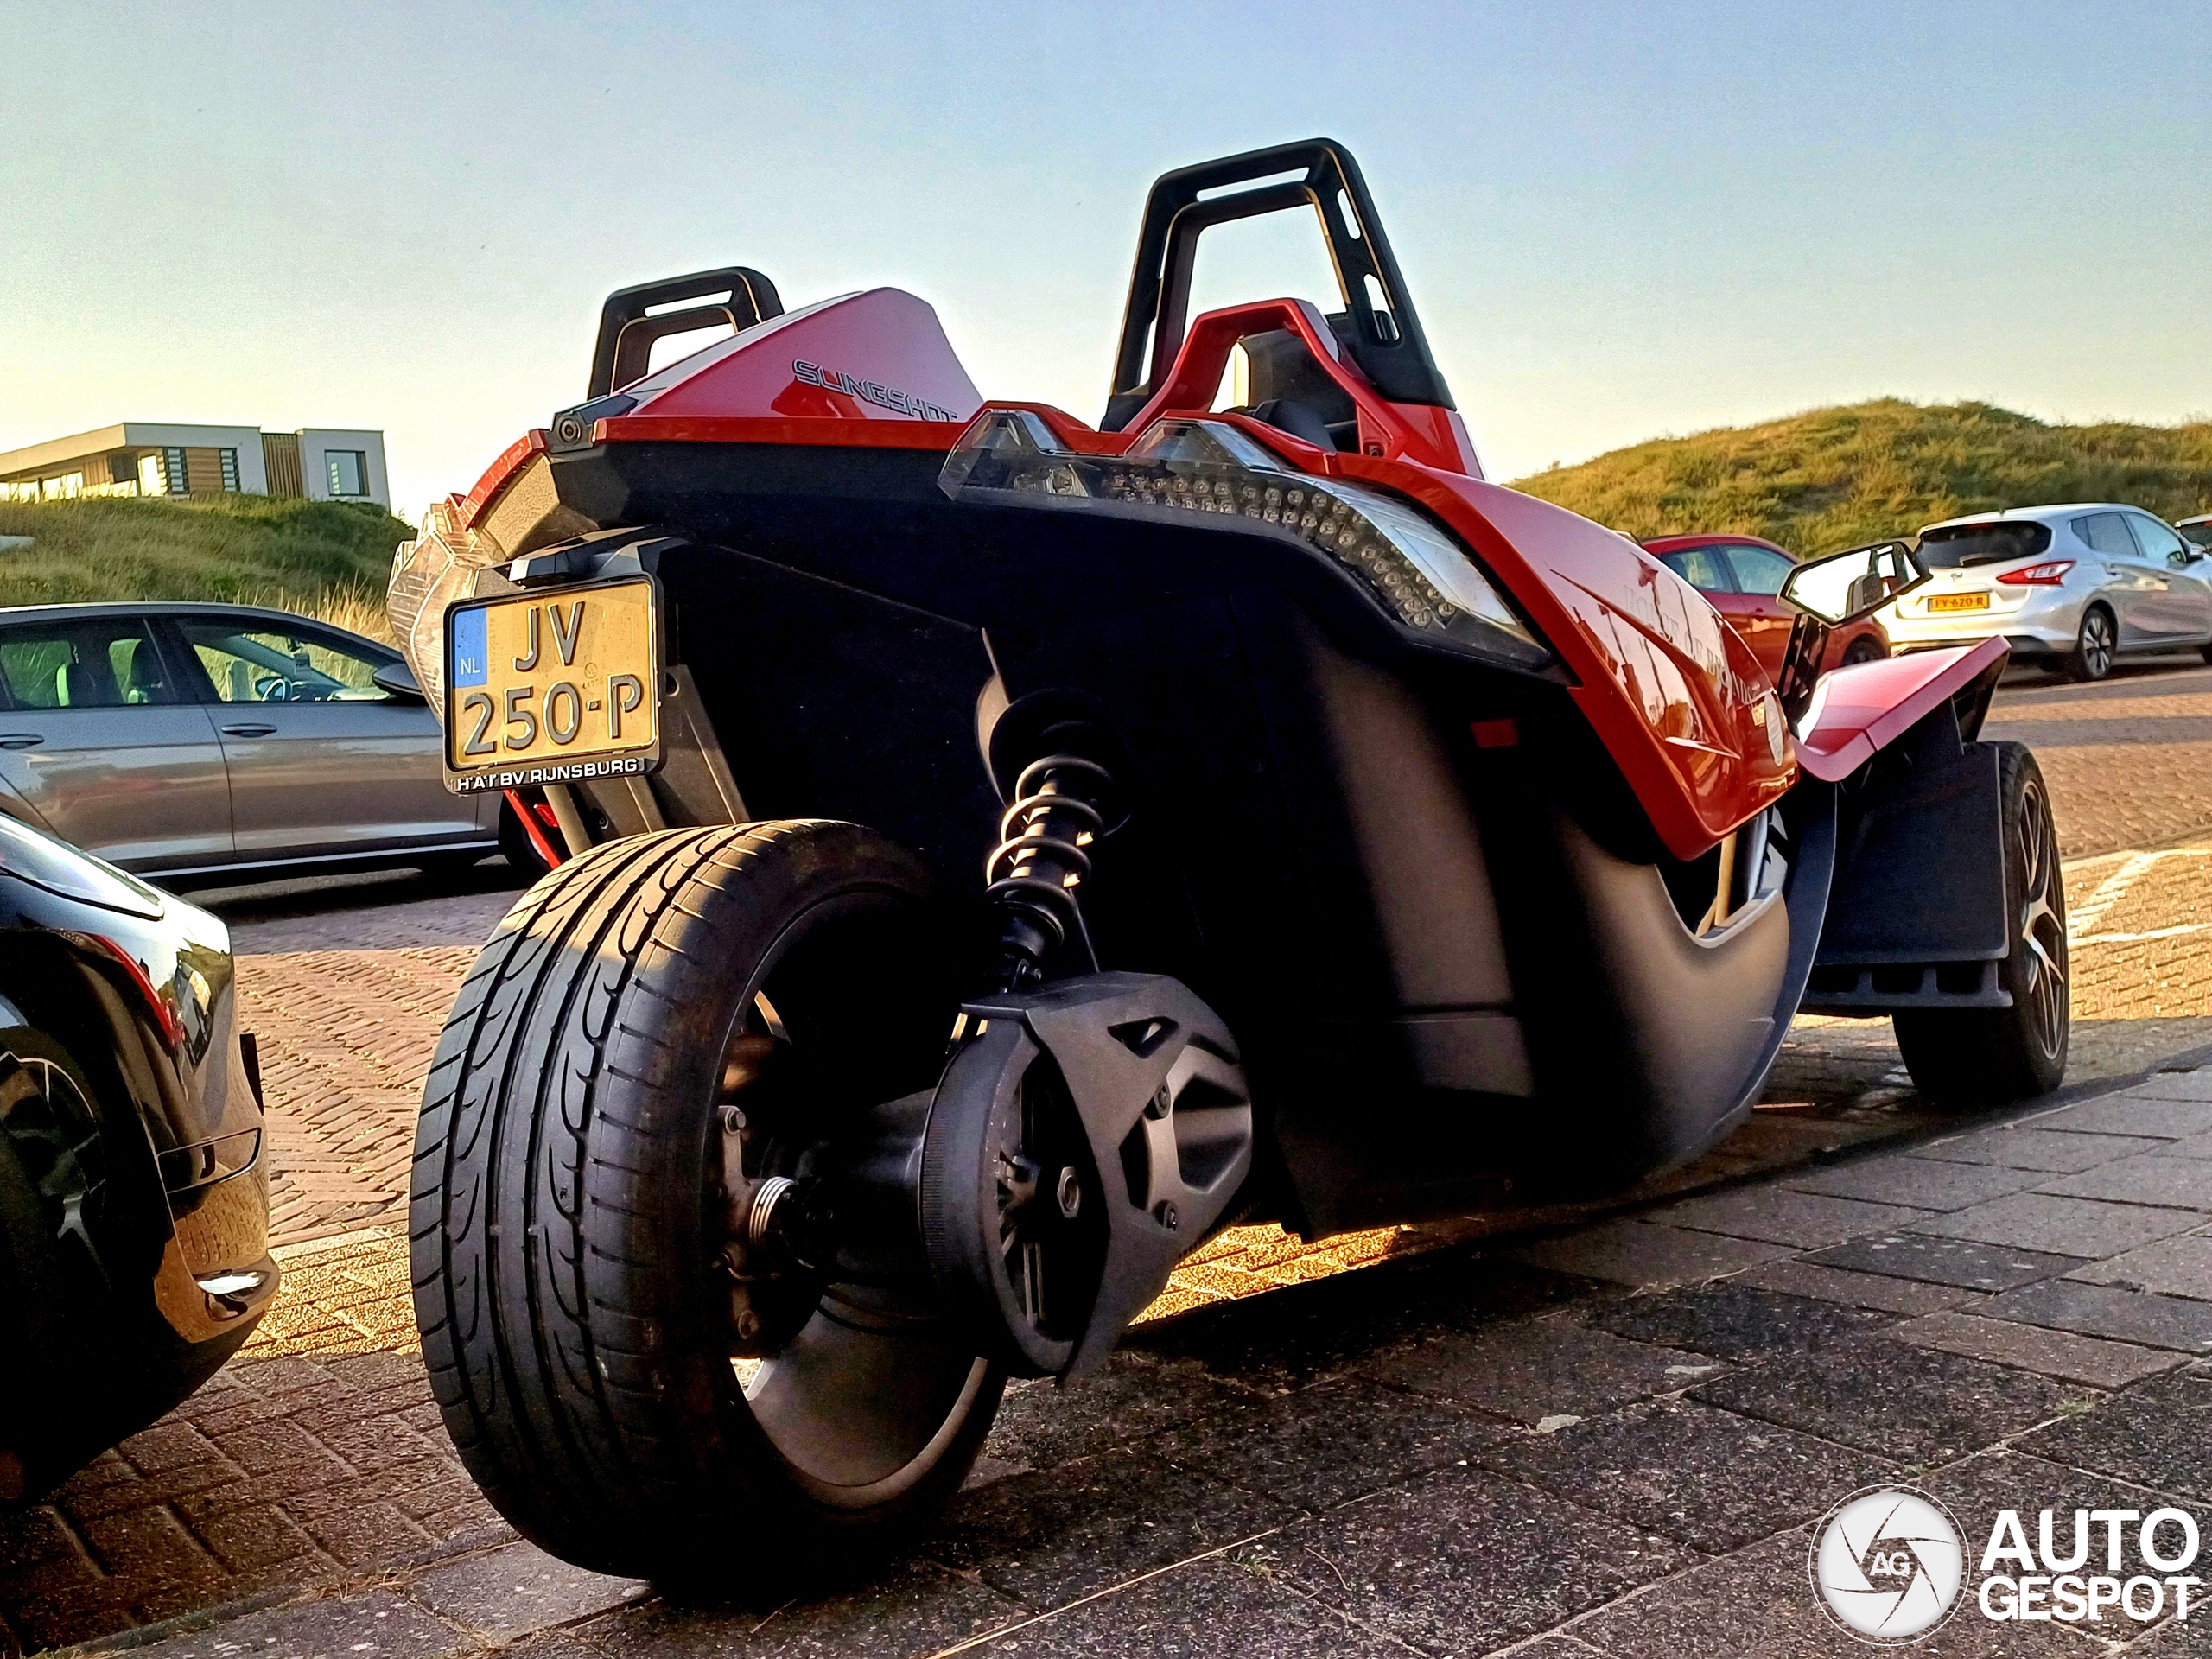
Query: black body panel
[110,1322]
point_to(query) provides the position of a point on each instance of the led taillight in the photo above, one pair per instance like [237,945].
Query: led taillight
[2049,574]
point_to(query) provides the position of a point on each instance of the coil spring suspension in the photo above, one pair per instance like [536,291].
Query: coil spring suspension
[1033,873]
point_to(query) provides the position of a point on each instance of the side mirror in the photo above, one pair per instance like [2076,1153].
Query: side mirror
[2181,560]
[1844,587]
[397,680]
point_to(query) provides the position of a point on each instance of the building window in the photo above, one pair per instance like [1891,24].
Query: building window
[230,459]
[349,472]
[62,489]
[173,473]
[150,475]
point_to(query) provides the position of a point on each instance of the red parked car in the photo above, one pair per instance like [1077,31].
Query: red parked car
[1743,576]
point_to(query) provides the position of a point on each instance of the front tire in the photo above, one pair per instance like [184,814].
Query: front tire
[1864,649]
[570,1217]
[1987,1057]
[2091,657]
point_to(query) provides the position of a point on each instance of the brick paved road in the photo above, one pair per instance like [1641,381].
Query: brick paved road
[1610,1441]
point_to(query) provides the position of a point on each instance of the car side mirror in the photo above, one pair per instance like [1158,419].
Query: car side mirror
[1844,587]
[397,680]
[2183,561]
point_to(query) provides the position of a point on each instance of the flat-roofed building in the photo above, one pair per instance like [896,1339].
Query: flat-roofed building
[146,458]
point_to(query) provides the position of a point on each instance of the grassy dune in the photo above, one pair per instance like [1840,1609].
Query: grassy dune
[319,558]
[1834,477]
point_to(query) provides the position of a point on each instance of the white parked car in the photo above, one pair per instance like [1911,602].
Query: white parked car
[2197,530]
[2070,587]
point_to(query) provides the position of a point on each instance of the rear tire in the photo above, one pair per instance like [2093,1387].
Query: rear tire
[1863,649]
[569,1216]
[2094,645]
[1987,1057]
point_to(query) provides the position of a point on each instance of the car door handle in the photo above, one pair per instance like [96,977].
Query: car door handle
[249,729]
[20,739]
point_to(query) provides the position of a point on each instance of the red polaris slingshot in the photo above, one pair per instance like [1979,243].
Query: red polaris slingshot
[992,854]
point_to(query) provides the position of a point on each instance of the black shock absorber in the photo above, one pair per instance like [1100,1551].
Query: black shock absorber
[1040,861]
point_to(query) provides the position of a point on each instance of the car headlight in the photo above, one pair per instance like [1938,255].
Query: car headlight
[1416,571]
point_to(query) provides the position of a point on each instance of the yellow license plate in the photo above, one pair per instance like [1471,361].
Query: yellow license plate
[554,687]
[1958,602]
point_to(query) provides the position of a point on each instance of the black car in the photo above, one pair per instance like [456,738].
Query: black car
[134,1189]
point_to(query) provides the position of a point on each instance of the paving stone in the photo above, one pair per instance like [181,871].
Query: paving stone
[2039,1221]
[1217,1608]
[1290,1337]
[1040,1423]
[2062,1354]
[1968,1264]
[2138,1112]
[1779,1215]
[362,1535]
[1711,1479]
[912,1607]
[2194,1084]
[1326,1444]
[168,1446]
[1048,1538]
[1797,1277]
[2190,1638]
[1463,1562]
[517,1591]
[1757,1604]
[2173,1266]
[1637,1252]
[2153,1433]
[1915,1406]
[2047,1151]
[2107,1311]
[1540,1369]
[2148,1177]
[1920,1183]
[373,1625]
[1730,1318]
[245,1540]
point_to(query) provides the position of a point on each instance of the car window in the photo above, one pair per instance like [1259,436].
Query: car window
[1760,570]
[2157,541]
[2196,535]
[1703,568]
[2106,533]
[1949,547]
[253,664]
[106,664]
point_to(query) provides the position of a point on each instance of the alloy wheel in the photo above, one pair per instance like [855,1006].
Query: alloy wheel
[2043,920]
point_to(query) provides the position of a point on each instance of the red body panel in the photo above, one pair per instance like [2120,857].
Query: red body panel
[878,356]
[1859,711]
[1763,619]
[1678,699]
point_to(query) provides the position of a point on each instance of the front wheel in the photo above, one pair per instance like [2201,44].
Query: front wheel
[1986,1057]
[1864,649]
[2091,657]
[658,1029]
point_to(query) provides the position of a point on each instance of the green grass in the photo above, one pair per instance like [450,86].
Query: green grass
[1834,478]
[319,558]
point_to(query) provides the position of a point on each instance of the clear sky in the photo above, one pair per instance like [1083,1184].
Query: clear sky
[1617,220]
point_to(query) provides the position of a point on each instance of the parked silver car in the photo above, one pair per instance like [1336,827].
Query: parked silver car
[2071,587]
[221,741]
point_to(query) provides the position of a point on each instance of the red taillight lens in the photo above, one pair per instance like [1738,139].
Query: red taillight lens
[2048,575]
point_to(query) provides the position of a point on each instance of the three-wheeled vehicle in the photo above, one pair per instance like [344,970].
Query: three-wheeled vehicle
[994,852]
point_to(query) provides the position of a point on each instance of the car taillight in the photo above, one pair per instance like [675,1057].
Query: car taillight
[2049,574]
[1182,469]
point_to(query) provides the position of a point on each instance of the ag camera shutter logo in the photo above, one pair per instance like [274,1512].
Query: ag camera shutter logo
[1888,1564]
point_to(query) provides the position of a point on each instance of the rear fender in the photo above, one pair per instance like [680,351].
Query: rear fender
[1858,712]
